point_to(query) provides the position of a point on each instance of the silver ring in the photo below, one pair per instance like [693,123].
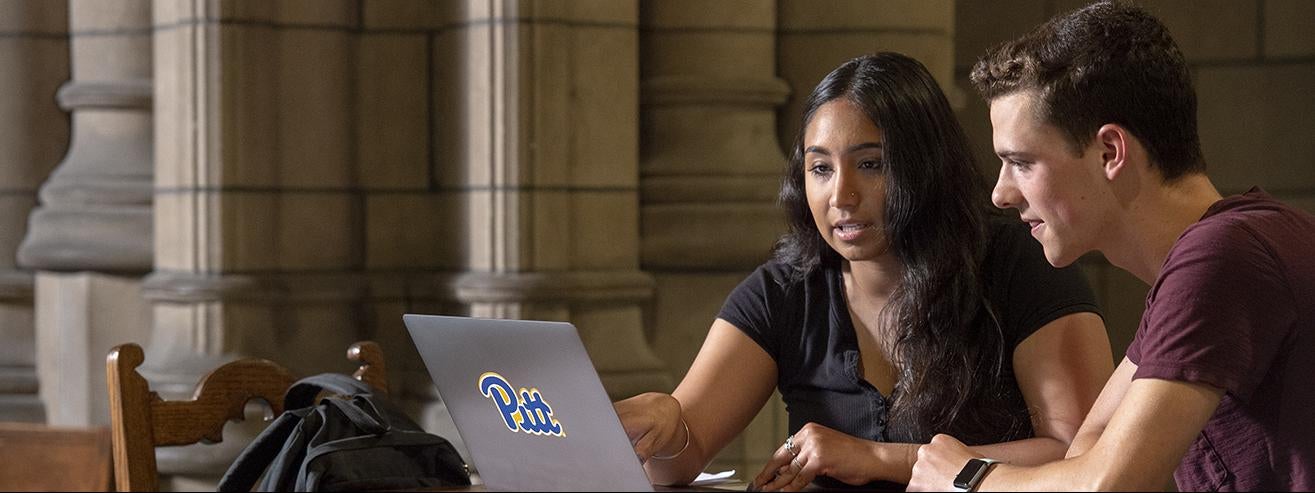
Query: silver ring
[789,446]
[797,466]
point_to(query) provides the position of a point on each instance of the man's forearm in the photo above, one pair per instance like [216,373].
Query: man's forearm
[1086,472]
[1028,452]
[1064,475]
[896,460]
[1083,442]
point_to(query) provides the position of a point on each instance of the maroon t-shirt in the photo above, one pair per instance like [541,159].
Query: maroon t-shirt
[1234,307]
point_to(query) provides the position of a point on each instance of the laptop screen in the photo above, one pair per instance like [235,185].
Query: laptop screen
[528,404]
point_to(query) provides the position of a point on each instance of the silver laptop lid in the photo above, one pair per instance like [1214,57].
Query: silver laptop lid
[527,401]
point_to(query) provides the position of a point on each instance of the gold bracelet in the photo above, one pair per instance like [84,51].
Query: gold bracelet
[682,449]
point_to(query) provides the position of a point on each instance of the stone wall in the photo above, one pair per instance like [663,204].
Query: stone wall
[320,167]
[34,61]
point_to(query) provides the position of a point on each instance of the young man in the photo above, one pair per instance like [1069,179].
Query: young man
[1094,119]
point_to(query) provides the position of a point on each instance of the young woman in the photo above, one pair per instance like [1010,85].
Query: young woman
[895,309]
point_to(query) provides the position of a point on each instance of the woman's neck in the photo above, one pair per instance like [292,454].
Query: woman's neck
[872,279]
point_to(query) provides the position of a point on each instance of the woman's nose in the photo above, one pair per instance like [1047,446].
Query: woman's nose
[846,192]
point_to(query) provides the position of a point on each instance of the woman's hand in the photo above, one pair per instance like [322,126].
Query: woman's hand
[652,421]
[816,450]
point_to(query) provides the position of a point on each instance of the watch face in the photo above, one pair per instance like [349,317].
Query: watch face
[971,472]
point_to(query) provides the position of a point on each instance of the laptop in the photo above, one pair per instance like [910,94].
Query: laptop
[527,401]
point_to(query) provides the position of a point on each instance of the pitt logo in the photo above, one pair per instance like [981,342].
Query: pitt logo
[526,412]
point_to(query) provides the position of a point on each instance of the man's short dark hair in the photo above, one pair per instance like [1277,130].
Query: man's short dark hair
[1109,62]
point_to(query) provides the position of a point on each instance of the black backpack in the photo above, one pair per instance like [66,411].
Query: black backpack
[352,441]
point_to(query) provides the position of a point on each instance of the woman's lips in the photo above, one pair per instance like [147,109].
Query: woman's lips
[851,231]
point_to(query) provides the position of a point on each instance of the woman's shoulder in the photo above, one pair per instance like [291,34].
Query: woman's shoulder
[1009,244]
[773,276]
[1015,260]
[1005,232]
[775,281]
[1024,288]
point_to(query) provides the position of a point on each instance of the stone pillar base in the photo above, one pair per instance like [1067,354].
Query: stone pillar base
[18,395]
[67,237]
[18,377]
[79,317]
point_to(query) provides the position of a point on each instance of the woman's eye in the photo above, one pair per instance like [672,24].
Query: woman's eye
[871,164]
[819,169]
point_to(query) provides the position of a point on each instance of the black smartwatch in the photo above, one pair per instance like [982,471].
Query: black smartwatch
[972,473]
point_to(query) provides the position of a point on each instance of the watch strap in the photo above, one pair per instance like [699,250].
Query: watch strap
[973,472]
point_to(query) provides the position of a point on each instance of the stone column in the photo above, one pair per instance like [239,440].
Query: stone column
[710,168]
[258,223]
[90,238]
[708,155]
[34,55]
[542,155]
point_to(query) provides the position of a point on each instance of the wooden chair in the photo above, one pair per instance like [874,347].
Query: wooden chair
[140,420]
[36,457]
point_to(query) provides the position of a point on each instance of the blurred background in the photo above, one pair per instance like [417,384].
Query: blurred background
[279,178]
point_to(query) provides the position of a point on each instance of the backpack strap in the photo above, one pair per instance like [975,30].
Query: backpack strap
[361,411]
[356,402]
[302,394]
[253,460]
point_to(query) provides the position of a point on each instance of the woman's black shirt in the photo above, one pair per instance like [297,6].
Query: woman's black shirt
[806,328]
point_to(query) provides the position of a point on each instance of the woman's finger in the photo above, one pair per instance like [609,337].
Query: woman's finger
[644,446]
[784,475]
[779,458]
[802,478]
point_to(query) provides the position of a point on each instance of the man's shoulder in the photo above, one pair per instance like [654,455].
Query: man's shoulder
[1256,208]
[1249,222]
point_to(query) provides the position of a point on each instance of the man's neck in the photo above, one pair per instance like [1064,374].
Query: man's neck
[1152,222]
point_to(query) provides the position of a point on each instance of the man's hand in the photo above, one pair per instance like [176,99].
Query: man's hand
[938,463]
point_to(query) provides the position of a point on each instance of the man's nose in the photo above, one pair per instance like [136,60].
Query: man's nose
[1005,194]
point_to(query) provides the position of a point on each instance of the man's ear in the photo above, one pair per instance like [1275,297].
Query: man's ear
[1113,142]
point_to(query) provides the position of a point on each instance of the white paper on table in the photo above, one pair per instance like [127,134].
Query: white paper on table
[706,479]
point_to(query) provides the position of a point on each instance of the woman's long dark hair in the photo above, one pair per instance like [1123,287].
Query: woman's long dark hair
[942,335]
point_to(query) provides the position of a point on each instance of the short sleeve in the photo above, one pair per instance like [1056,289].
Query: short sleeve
[750,307]
[1026,290]
[1218,313]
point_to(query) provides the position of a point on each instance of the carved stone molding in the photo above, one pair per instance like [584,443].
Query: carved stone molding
[560,287]
[566,287]
[698,189]
[16,287]
[765,92]
[182,287]
[63,240]
[95,212]
[123,94]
